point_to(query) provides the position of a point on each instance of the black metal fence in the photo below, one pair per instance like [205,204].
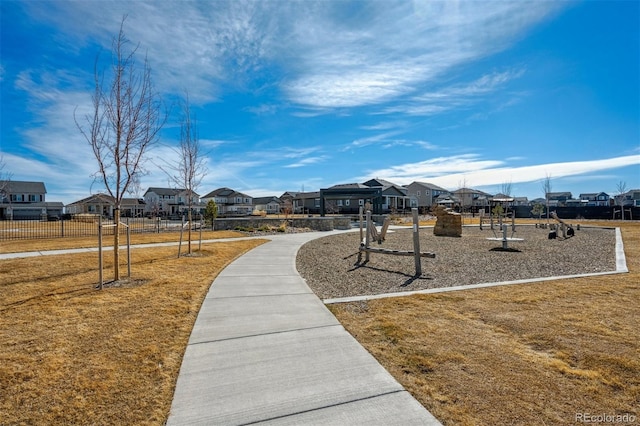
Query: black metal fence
[79,227]
[586,212]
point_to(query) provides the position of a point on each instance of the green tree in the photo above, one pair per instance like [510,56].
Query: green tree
[211,212]
[537,210]
[498,210]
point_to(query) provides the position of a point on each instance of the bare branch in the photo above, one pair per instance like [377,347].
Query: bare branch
[124,123]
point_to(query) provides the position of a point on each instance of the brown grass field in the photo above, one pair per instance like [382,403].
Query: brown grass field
[527,354]
[542,353]
[70,354]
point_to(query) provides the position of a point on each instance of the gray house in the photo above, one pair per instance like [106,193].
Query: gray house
[169,201]
[424,194]
[26,200]
[230,202]
[269,205]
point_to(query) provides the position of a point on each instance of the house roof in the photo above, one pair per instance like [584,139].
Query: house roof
[307,195]
[267,200]
[107,199]
[379,182]
[349,186]
[19,186]
[164,191]
[95,198]
[428,185]
[592,194]
[558,194]
[471,191]
[226,192]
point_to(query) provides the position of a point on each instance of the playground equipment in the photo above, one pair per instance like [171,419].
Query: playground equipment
[373,235]
[498,213]
[620,212]
[505,240]
[565,228]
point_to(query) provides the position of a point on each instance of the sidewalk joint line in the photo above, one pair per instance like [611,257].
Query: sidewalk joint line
[324,407]
[262,295]
[265,334]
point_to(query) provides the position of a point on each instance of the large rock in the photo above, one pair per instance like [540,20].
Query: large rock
[448,224]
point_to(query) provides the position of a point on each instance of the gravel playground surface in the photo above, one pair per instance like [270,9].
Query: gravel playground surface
[328,264]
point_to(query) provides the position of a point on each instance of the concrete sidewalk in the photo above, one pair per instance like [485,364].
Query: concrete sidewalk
[265,349]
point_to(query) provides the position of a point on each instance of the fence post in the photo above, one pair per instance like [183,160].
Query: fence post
[416,241]
[62,227]
[200,242]
[128,249]
[366,238]
[100,250]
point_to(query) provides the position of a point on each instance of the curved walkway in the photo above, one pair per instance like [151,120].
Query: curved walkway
[264,349]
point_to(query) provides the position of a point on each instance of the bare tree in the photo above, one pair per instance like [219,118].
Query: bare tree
[126,117]
[189,169]
[5,178]
[506,188]
[622,189]
[546,188]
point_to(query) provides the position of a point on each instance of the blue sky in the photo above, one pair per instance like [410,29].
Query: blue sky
[302,95]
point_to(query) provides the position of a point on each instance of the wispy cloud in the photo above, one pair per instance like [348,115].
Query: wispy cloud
[449,171]
[378,52]
[456,96]
[307,161]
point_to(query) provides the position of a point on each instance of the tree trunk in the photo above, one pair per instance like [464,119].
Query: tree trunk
[189,232]
[116,244]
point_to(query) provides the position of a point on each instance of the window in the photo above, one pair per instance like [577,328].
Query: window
[16,197]
[32,198]
[339,203]
[361,202]
[347,202]
[317,202]
[417,193]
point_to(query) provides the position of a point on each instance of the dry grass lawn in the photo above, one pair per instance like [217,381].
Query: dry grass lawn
[517,355]
[70,354]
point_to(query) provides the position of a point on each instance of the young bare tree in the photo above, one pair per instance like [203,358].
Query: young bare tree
[126,116]
[189,169]
[622,189]
[5,178]
[5,185]
[506,188]
[546,188]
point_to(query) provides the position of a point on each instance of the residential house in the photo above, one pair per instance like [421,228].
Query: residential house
[520,201]
[446,200]
[269,205]
[472,198]
[302,202]
[170,201]
[348,200]
[394,197]
[596,199]
[26,200]
[230,202]
[558,199]
[423,194]
[628,199]
[104,204]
